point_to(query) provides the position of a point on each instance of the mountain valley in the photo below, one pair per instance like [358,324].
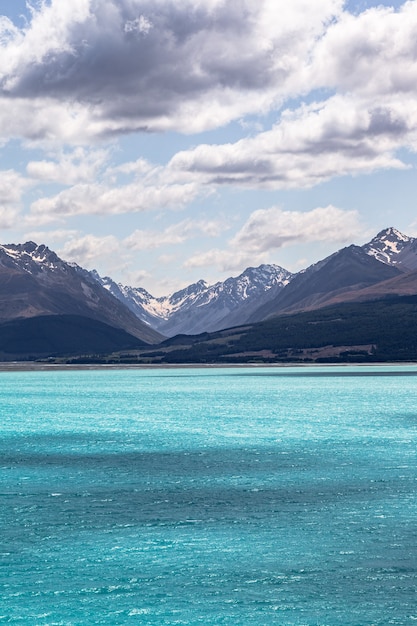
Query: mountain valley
[53,309]
[349,274]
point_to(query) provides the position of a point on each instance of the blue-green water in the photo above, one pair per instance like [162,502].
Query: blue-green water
[209,496]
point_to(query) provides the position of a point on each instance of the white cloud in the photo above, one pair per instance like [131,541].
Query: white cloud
[86,250]
[116,66]
[100,68]
[78,166]
[269,229]
[371,60]
[94,188]
[139,168]
[41,236]
[48,36]
[371,54]
[223,260]
[8,31]
[101,199]
[91,70]
[309,145]
[174,234]
[264,231]
[9,215]
[47,121]
[12,188]
[140,24]
[96,68]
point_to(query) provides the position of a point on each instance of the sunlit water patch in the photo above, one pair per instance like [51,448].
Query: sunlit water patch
[209,496]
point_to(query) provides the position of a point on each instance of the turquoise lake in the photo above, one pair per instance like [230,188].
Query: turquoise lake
[239,496]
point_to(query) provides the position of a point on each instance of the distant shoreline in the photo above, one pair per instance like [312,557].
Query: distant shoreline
[29,366]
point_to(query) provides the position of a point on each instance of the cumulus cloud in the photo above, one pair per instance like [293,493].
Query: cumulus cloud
[367,66]
[269,229]
[174,234]
[93,187]
[8,216]
[224,260]
[96,69]
[102,199]
[140,24]
[69,168]
[51,235]
[86,250]
[342,87]
[310,145]
[264,231]
[116,66]
[99,68]
[12,188]
[371,54]
[115,253]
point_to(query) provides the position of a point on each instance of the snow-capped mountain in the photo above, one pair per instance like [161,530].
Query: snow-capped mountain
[35,282]
[138,300]
[201,307]
[392,247]
[270,289]
[32,258]
[347,274]
[343,272]
[228,303]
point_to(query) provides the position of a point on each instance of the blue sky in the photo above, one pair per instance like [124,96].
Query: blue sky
[165,141]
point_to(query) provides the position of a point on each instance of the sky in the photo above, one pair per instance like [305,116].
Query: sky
[166,141]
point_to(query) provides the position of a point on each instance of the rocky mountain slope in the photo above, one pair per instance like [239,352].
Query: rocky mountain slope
[65,303]
[201,307]
[348,270]
[405,284]
[348,274]
[394,248]
[34,282]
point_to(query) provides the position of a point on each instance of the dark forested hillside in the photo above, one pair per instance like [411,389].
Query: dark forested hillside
[348,270]
[61,335]
[368,331]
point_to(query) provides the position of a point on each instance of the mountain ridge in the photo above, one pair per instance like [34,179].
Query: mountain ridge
[392,247]
[347,270]
[201,307]
[36,284]
[34,281]
[271,289]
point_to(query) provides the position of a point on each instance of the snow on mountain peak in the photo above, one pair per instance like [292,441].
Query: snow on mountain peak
[200,306]
[391,234]
[32,257]
[392,247]
[179,308]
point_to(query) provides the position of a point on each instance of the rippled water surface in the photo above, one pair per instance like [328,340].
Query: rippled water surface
[241,496]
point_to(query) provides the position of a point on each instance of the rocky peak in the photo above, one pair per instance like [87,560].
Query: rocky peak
[392,247]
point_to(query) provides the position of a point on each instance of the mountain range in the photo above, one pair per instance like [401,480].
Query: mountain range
[36,283]
[42,296]
[270,289]
[201,307]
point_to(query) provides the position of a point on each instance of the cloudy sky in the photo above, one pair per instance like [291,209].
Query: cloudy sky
[164,141]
